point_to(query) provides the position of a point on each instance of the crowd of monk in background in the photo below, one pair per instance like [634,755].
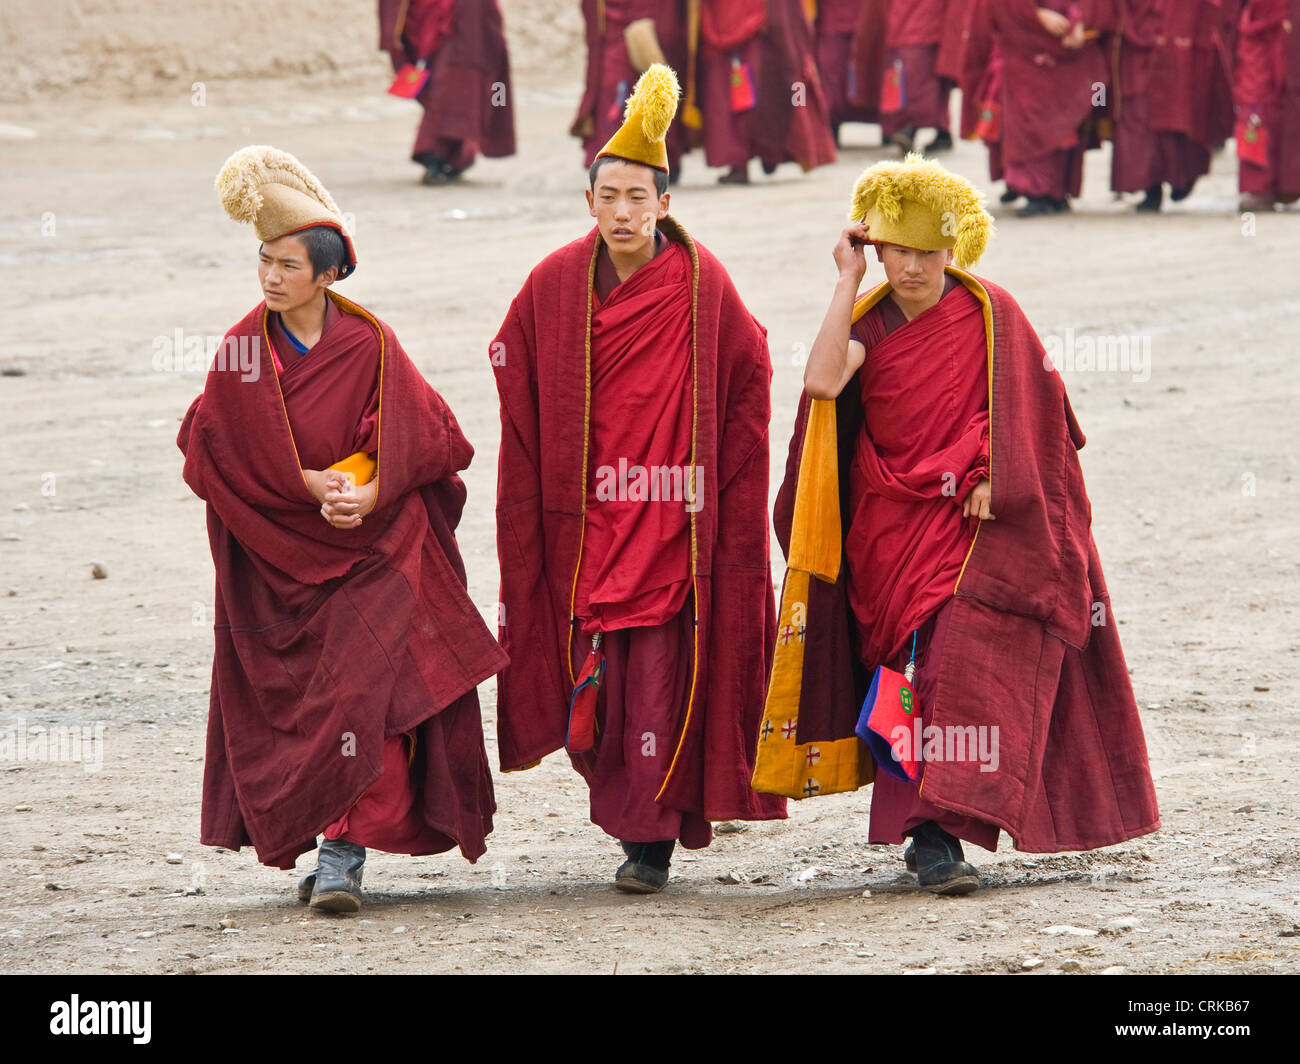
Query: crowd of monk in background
[1167,82]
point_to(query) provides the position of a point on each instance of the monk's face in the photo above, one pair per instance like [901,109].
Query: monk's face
[915,275]
[285,273]
[626,207]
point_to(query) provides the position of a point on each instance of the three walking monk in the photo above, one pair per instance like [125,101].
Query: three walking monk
[636,593]
[348,651]
[935,524]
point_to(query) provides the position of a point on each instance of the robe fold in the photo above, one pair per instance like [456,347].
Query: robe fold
[542,358]
[468,102]
[1030,645]
[1267,96]
[331,641]
[1173,92]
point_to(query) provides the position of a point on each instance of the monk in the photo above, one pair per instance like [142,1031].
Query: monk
[467,101]
[914,95]
[1267,96]
[1173,95]
[850,57]
[758,87]
[1054,73]
[636,592]
[941,572]
[343,697]
[624,37]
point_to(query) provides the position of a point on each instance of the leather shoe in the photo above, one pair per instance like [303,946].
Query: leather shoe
[338,877]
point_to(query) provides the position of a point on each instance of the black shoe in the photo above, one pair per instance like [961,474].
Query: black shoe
[1153,200]
[435,173]
[1061,206]
[904,139]
[1010,195]
[735,175]
[943,142]
[306,885]
[1180,194]
[646,869]
[909,857]
[338,877]
[940,864]
[1035,206]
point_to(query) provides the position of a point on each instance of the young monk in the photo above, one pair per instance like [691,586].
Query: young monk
[1267,96]
[933,514]
[343,697]
[631,514]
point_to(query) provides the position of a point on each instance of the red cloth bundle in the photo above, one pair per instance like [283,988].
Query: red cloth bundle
[582,704]
[891,90]
[410,81]
[890,705]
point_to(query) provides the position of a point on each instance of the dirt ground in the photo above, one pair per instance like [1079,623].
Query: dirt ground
[111,240]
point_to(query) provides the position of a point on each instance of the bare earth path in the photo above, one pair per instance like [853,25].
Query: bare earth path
[111,240]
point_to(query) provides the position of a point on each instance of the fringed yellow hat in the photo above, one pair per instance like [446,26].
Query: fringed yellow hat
[274,191]
[649,112]
[919,204]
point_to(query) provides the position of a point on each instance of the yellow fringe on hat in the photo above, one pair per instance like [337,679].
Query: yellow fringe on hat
[943,208]
[646,118]
[239,184]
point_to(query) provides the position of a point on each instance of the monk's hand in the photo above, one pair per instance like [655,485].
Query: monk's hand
[346,503]
[1053,22]
[1076,36]
[850,257]
[317,481]
[976,504]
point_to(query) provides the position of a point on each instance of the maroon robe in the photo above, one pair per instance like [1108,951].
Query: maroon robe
[1048,94]
[842,51]
[611,75]
[468,102]
[1172,92]
[1030,643]
[1267,95]
[773,41]
[916,29]
[541,511]
[330,641]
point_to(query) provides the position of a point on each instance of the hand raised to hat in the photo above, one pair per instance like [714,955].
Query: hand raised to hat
[850,253]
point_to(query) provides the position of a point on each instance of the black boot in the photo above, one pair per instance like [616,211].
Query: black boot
[338,877]
[1035,206]
[942,142]
[909,857]
[1180,194]
[1153,200]
[940,864]
[1010,195]
[646,869]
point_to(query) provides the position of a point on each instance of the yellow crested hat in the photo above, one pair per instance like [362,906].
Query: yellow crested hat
[274,191]
[919,204]
[646,118]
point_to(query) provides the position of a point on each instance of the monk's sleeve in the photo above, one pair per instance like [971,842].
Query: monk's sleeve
[748,405]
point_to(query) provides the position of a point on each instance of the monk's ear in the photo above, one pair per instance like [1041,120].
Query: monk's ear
[328,276]
[663,205]
[591,203]
[948,260]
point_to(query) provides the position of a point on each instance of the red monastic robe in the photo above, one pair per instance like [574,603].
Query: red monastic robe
[611,75]
[1048,93]
[915,31]
[546,442]
[1267,94]
[767,45]
[329,642]
[1173,91]
[468,102]
[1030,643]
[850,38]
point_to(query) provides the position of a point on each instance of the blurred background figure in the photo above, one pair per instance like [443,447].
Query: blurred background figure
[1267,93]
[914,95]
[457,48]
[850,59]
[623,38]
[752,65]
[1172,94]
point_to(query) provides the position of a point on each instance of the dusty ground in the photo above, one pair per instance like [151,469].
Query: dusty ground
[111,239]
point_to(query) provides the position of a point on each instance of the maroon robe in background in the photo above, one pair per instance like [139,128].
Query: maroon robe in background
[611,75]
[331,641]
[1172,92]
[839,23]
[1267,96]
[468,102]
[916,28]
[1047,94]
[1030,643]
[541,496]
[774,41]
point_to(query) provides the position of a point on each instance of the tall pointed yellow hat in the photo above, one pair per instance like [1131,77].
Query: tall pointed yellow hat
[919,204]
[646,118]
